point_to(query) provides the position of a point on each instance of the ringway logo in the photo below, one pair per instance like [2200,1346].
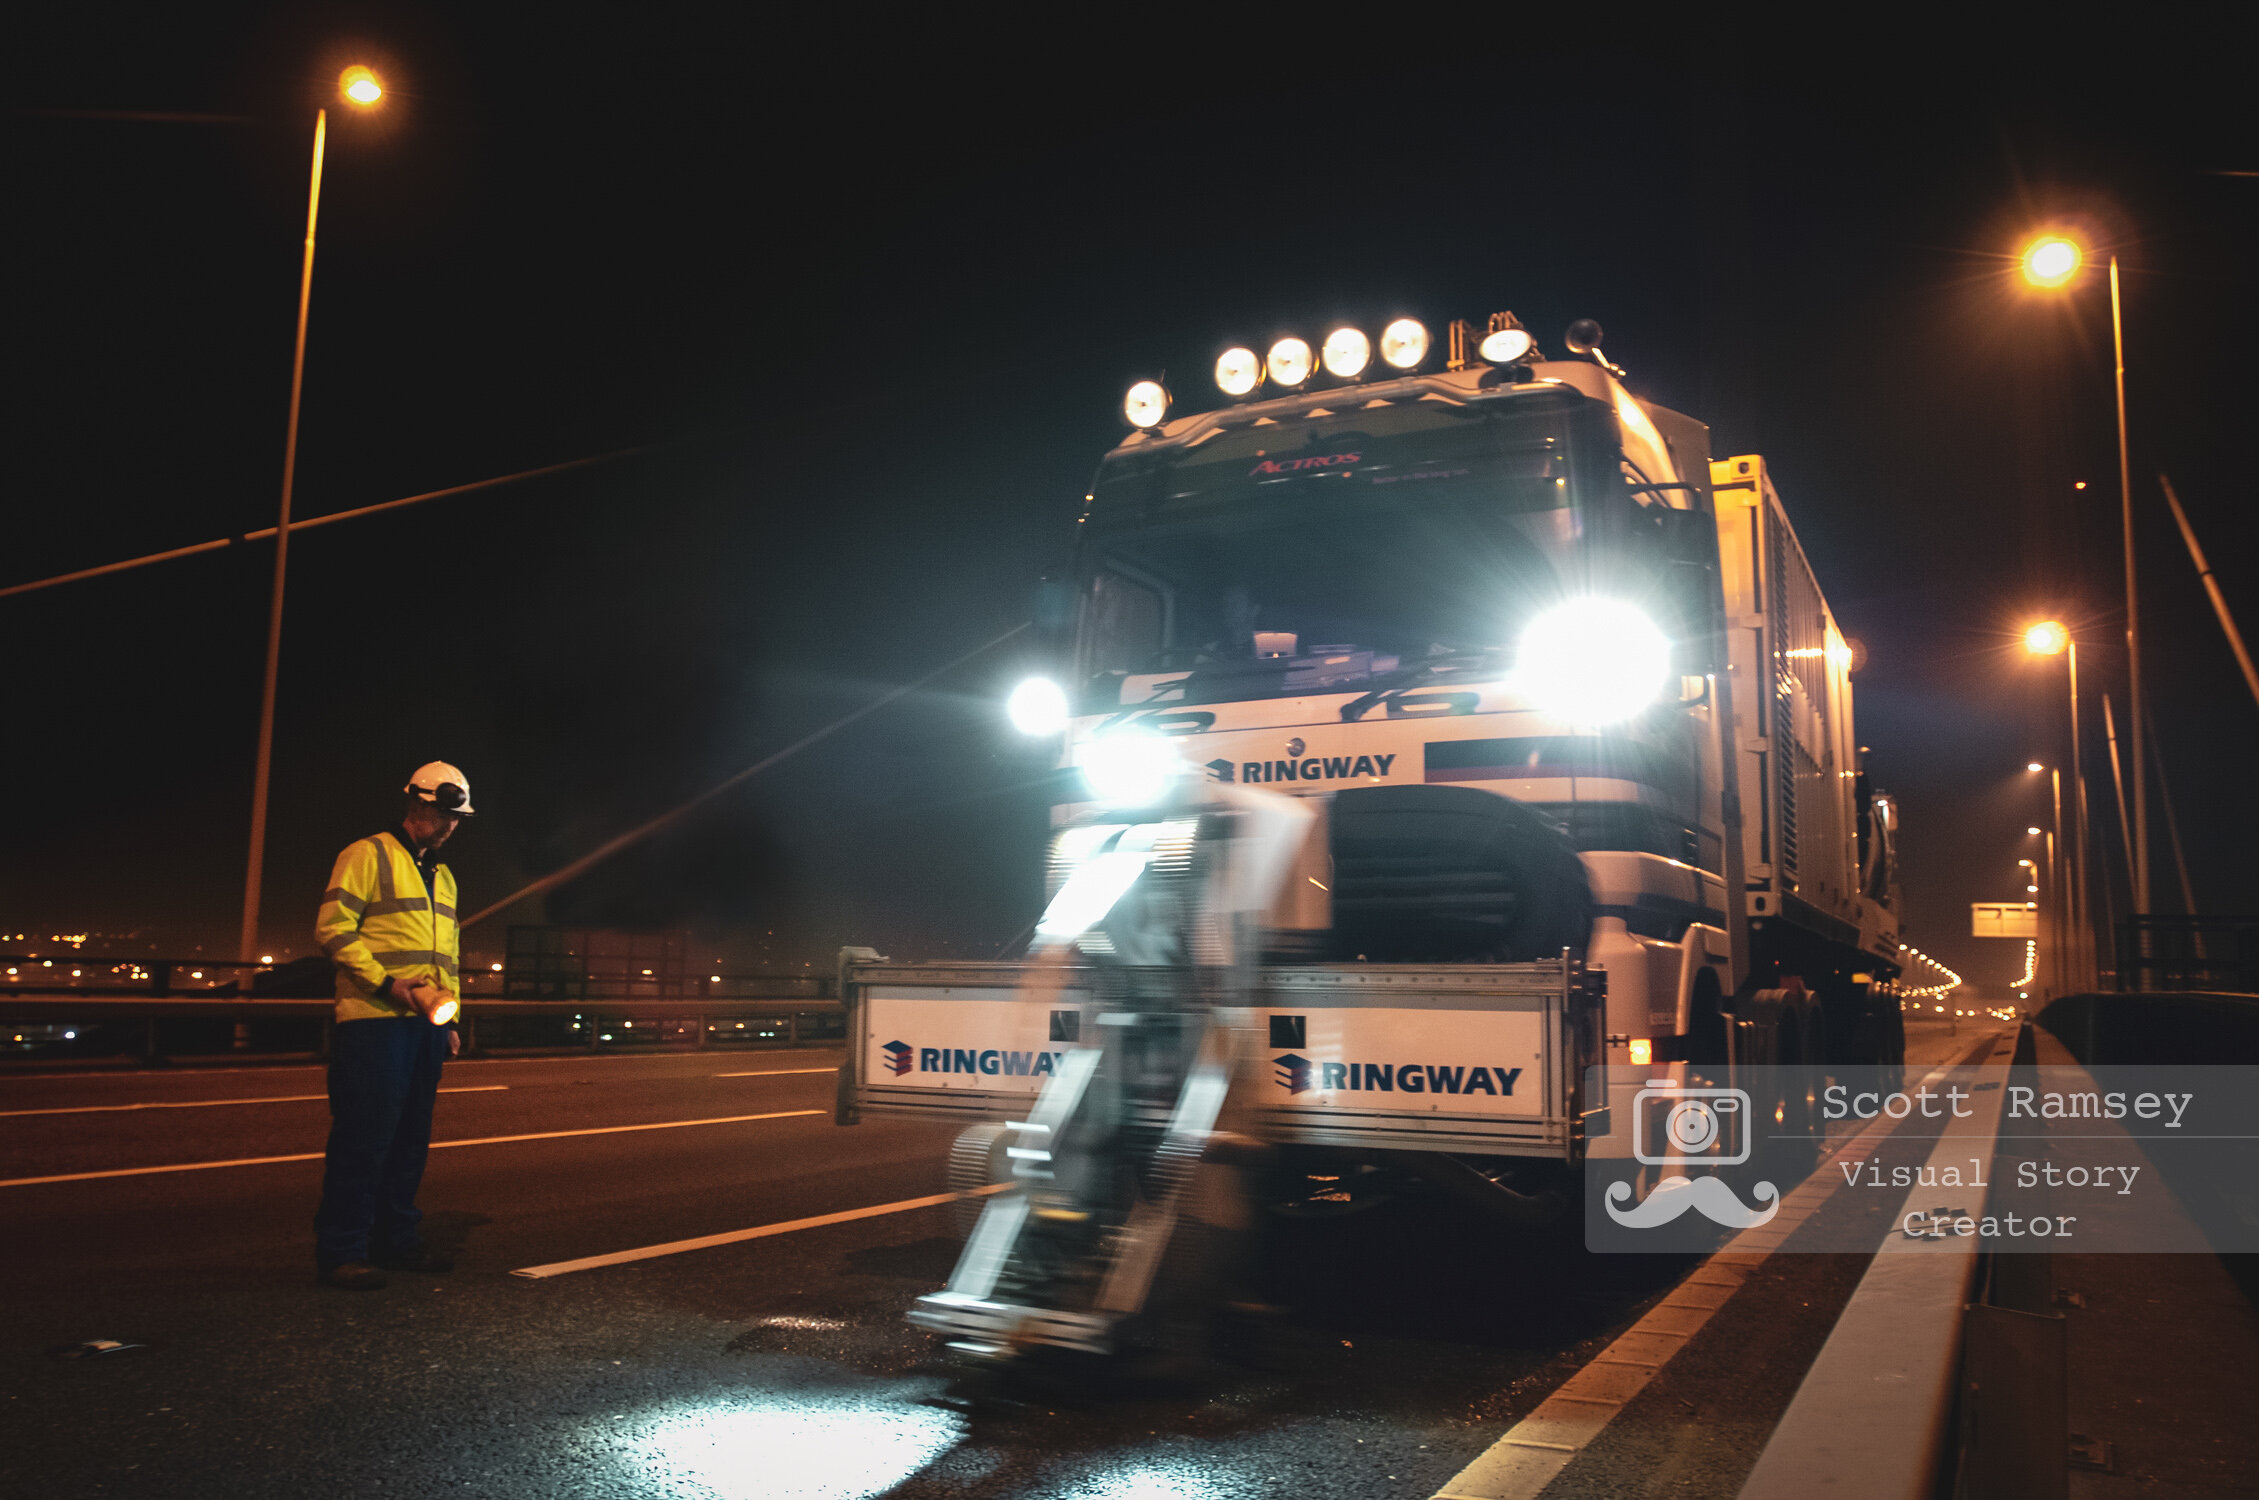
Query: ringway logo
[904,1059]
[1298,1074]
[1310,768]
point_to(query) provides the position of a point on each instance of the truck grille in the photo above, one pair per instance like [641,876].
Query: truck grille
[1432,874]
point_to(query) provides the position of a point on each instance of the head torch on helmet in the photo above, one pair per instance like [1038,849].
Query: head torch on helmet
[441,785]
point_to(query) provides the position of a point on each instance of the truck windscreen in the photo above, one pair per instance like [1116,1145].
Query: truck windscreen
[1326,554]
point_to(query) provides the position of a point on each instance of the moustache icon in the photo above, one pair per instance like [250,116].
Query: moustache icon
[1673,1196]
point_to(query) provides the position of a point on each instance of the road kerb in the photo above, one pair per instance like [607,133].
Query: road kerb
[1535,1450]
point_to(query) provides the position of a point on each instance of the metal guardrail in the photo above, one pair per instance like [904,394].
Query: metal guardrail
[309,978]
[2199,953]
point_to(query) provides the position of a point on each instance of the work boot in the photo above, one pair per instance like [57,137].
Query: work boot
[353,1276]
[418,1257]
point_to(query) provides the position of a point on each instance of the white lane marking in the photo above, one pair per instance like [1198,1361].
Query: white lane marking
[777,1073]
[1535,1450]
[484,1140]
[95,1109]
[734,1236]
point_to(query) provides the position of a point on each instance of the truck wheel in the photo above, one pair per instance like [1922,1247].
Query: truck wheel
[1794,1120]
[1706,1029]
[976,1160]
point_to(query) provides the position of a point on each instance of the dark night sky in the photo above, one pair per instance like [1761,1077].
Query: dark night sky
[876,296]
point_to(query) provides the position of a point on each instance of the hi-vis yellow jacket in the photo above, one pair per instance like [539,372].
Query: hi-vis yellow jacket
[379,922]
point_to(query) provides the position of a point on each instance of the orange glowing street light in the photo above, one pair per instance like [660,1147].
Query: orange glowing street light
[360,87]
[2052,262]
[2053,638]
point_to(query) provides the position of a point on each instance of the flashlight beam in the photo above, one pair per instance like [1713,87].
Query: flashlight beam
[677,814]
[2212,587]
[267,533]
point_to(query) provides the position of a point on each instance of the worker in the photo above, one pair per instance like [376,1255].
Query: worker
[388,922]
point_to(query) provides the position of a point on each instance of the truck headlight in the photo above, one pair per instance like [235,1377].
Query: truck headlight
[1037,706]
[1289,362]
[1146,405]
[1593,661]
[1404,343]
[1238,371]
[1507,346]
[1130,767]
[1346,353]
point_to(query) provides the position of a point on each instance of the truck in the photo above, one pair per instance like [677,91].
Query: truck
[1567,725]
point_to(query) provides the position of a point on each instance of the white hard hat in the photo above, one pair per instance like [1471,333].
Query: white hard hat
[442,786]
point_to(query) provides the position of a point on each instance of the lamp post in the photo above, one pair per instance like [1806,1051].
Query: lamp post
[2053,638]
[362,89]
[2052,261]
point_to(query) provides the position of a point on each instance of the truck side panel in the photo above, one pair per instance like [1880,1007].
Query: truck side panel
[1479,1058]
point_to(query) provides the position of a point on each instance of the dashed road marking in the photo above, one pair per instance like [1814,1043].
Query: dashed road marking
[777,1073]
[736,1236]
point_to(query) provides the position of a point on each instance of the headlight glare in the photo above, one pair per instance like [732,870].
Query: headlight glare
[1289,363]
[1404,343]
[1037,706]
[1347,352]
[1238,371]
[1130,767]
[1146,405]
[1593,661]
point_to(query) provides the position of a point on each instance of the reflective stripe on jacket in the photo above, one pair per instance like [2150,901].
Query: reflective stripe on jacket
[378,921]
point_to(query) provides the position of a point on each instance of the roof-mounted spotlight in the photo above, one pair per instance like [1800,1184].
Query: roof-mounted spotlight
[1347,352]
[1238,372]
[1583,338]
[1145,405]
[1508,342]
[1405,343]
[1289,363]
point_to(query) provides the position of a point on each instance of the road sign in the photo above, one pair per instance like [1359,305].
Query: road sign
[2004,919]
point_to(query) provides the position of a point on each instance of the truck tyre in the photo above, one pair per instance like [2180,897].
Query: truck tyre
[976,1160]
[1452,874]
[1798,1082]
[1706,1028]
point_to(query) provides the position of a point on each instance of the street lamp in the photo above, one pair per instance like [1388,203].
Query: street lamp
[359,87]
[2051,262]
[2053,638]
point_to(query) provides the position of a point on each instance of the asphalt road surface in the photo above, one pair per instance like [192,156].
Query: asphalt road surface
[1410,1338]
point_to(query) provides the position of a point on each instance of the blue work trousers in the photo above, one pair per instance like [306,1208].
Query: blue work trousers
[383,1075]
